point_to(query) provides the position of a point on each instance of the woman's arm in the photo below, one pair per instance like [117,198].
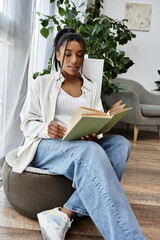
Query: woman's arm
[32,121]
[32,124]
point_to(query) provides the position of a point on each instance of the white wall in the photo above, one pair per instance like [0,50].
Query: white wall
[144,50]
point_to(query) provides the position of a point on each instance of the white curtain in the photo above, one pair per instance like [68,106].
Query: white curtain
[16,29]
[41,48]
[23,51]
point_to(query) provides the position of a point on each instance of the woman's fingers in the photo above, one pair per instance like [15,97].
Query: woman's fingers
[93,137]
[56,130]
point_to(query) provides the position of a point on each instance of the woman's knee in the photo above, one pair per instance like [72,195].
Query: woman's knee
[122,140]
[90,150]
[123,144]
[116,144]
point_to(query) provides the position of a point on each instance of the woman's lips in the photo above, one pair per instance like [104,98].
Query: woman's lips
[74,68]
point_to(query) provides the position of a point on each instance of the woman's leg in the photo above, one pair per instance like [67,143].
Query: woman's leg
[75,204]
[88,166]
[117,149]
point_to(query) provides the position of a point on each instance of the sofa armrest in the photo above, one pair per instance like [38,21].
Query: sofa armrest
[150,98]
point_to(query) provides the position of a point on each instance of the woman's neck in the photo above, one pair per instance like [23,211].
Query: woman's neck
[72,85]
[72,79]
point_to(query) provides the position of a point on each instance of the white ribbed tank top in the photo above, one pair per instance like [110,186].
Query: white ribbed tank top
[66,106]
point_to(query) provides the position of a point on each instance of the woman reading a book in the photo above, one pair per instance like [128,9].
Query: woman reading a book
[94,164]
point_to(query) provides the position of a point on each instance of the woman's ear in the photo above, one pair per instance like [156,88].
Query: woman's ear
[58,56]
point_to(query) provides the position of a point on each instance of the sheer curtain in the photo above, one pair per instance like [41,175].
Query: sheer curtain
[22,51]
[16,29]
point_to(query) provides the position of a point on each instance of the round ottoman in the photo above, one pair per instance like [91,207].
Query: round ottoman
[35,190]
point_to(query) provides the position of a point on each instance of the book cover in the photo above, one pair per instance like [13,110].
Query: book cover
[87,121]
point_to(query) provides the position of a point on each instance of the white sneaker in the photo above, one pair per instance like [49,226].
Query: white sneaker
[54,224]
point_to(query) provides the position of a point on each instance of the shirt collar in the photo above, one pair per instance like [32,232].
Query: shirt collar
[86,83]
[58,76]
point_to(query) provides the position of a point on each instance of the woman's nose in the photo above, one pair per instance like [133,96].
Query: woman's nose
[74,59]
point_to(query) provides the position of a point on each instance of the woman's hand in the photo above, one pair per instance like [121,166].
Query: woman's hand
[90,138]
[56,130]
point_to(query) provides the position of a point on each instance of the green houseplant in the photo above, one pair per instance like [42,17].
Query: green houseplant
[102,34]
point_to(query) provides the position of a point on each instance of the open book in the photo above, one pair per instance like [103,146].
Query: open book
[87,121]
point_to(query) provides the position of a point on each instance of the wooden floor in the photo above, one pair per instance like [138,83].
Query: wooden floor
[141,183]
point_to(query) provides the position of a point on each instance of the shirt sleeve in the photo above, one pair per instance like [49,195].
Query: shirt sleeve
[32,123]
[97,102]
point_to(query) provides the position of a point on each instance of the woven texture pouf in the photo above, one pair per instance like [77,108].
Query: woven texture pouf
[35,190]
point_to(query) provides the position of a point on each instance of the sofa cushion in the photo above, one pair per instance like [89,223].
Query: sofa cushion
[150,110]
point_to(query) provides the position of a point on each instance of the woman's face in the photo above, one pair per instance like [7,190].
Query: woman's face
[73,58]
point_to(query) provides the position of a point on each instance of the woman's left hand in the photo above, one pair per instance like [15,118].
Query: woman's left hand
[93,137]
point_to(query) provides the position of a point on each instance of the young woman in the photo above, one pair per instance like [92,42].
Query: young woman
[94,164]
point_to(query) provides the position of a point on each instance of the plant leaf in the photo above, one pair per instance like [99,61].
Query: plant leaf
[62,12]
[51,29]
[44,32]
[82,4]
[44,23]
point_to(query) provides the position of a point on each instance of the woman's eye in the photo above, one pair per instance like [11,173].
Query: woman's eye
[68,55]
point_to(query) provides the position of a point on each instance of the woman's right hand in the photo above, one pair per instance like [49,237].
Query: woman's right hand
[56,130]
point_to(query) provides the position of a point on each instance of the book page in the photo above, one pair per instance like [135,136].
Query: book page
[92,111]
[118,111]
[114,119]
[117,107]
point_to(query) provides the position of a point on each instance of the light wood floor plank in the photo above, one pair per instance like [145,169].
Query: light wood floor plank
[7,233]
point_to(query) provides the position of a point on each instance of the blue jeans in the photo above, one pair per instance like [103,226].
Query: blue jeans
[95,170]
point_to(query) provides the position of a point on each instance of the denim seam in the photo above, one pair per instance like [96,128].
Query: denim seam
[108,200]
[58,149]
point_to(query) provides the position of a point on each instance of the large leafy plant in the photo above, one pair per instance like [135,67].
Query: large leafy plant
[103,36]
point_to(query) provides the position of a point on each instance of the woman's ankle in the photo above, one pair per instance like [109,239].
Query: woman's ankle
[67,211]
